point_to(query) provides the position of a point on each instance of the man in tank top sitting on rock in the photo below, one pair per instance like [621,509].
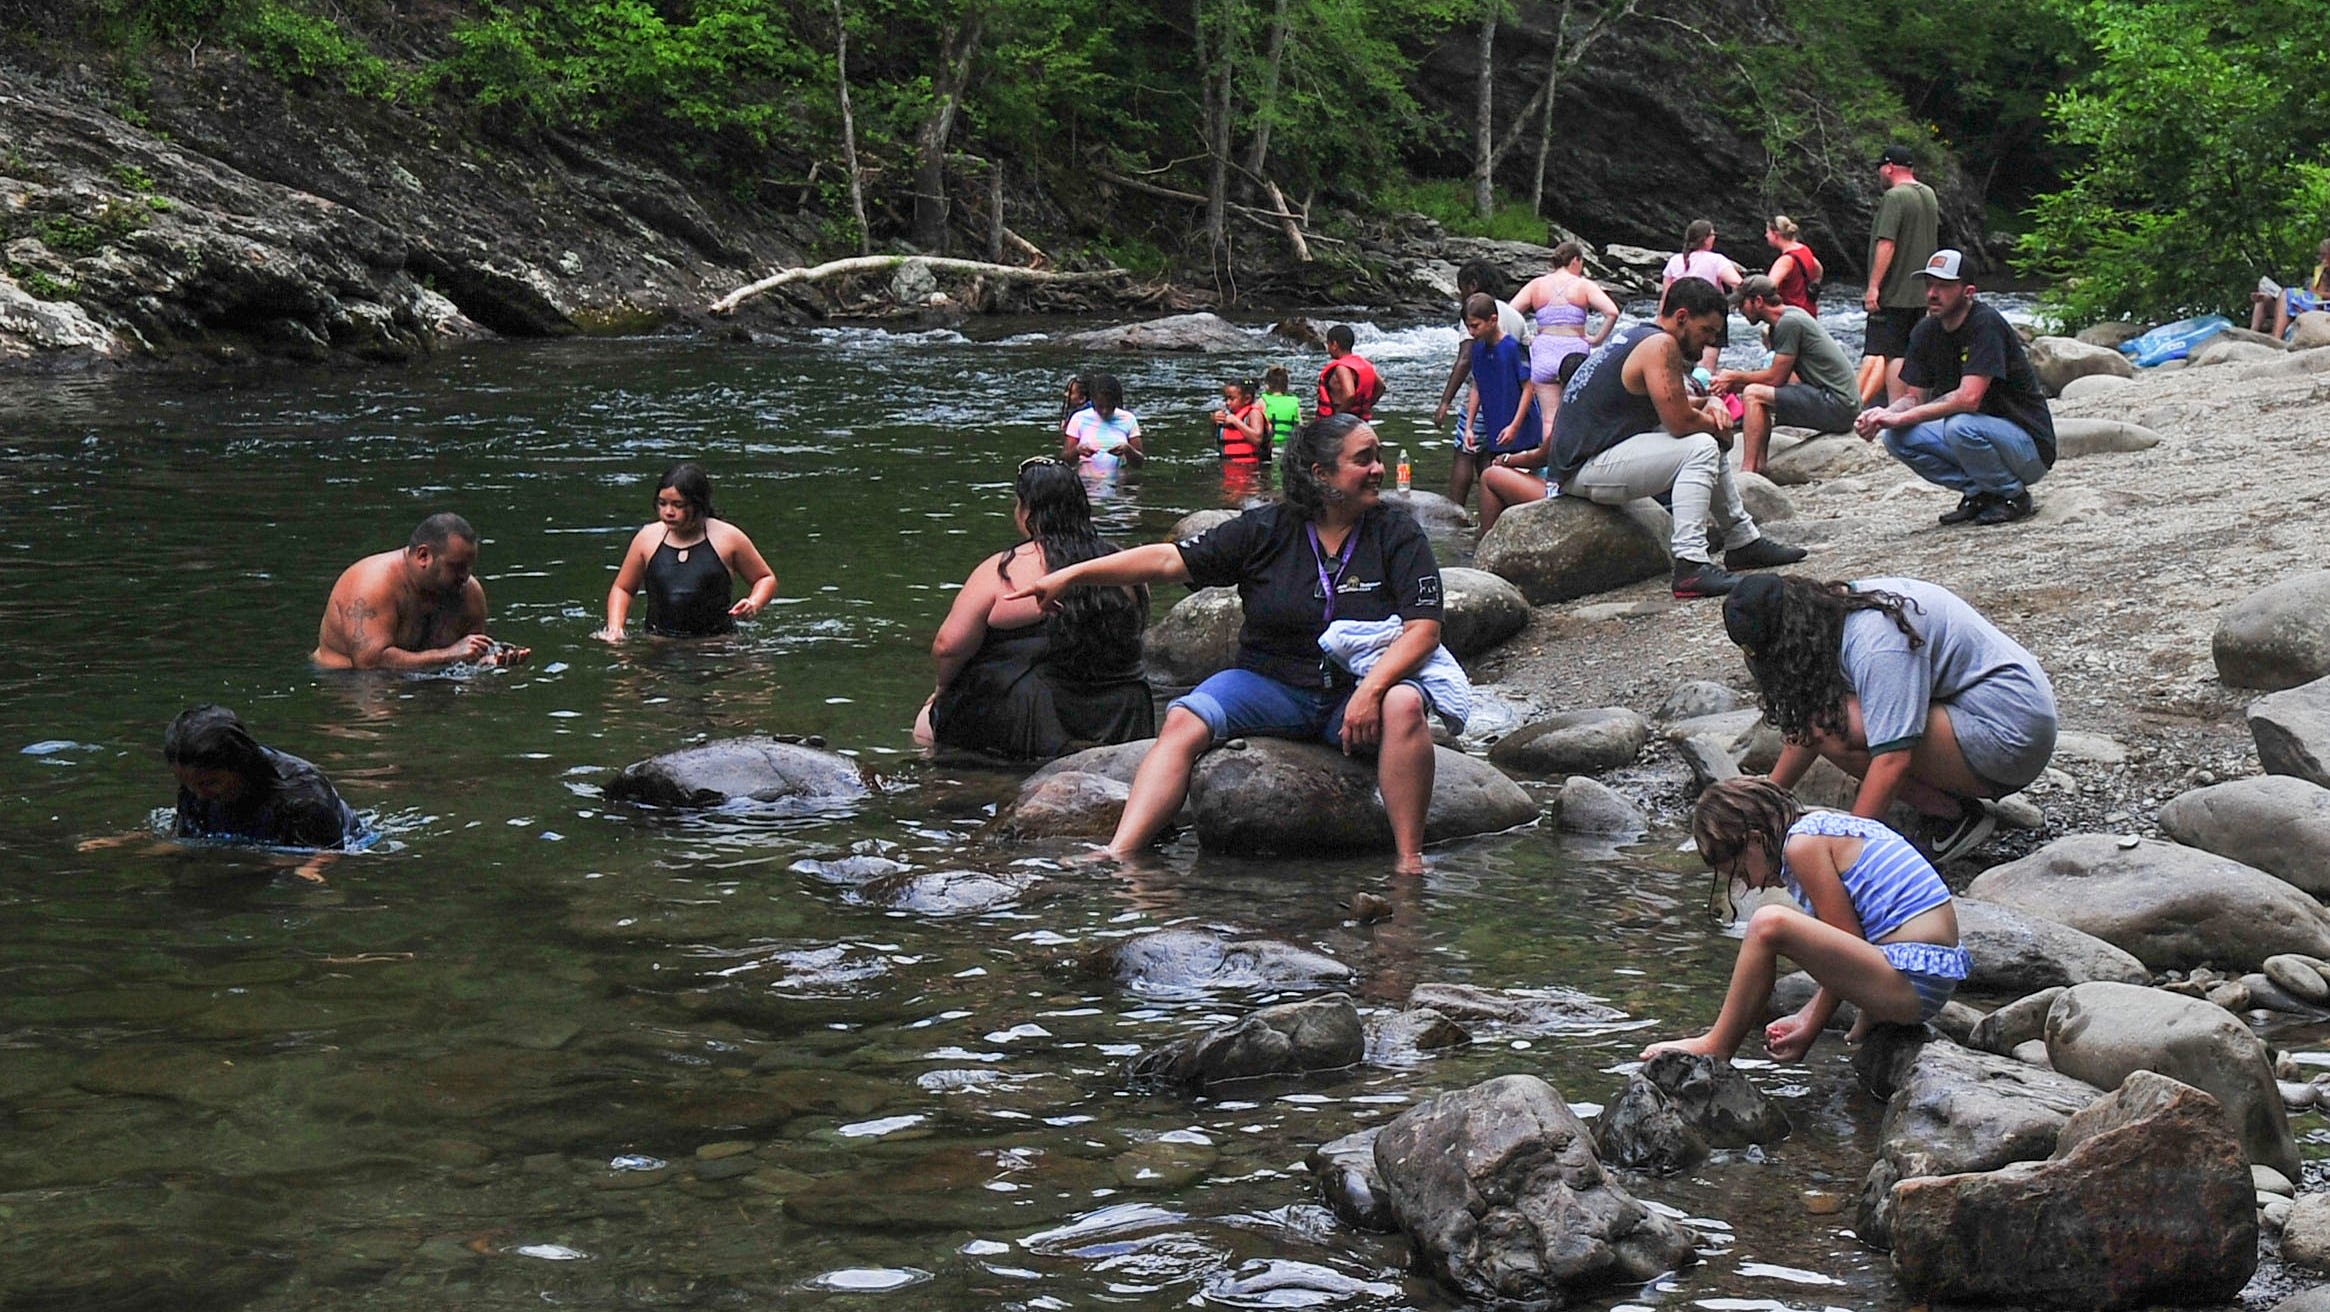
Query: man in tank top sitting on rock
[1629,429]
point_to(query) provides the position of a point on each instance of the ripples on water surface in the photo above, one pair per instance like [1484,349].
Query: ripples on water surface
[538,1052]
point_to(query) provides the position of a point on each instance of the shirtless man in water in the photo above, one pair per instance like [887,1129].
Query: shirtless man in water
[416,608]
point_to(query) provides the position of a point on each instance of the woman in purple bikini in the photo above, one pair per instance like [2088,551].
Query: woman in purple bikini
[1560,301]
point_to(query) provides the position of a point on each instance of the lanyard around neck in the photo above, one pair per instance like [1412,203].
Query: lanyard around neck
[1327,582]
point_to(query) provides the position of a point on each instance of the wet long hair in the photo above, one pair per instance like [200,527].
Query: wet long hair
[1094,630]
[1737,814]
[1319,442]
[211,737]
[694,486]
[1798,659]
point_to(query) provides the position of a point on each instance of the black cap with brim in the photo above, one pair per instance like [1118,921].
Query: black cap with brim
[1900,155]
[1751,614]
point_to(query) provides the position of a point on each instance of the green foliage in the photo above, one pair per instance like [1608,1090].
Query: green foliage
[39,285]
[133,177]
[2204,125]
[300,47]
[1448,202]
[67,235]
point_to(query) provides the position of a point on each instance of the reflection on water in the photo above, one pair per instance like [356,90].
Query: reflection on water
[537,1050]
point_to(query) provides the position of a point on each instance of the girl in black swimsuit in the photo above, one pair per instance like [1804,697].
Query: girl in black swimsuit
[688,560]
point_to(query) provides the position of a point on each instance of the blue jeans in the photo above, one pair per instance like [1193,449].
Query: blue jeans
[1969,454]
[1241,704]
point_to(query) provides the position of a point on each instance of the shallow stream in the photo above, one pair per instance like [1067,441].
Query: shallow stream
[535,1051]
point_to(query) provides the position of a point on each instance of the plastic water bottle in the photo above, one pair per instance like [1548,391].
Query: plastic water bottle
[1407,472]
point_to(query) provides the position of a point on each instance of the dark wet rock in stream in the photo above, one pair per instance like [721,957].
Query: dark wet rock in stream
[945,892]
[1198,523]
[1193,960]
[1680,1106]
[1349,1184]
[1573,742]
[1323,802]
[1432,511]
[1522,1011]
[1295,1038]
[1199,332]
[1406,1038]
[1498,1188]
[2146,1198]
[1069,804]
[756,769]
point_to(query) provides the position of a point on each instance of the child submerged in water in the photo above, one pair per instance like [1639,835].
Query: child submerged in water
[1877,930]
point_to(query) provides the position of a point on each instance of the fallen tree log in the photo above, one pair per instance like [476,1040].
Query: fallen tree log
[876,263]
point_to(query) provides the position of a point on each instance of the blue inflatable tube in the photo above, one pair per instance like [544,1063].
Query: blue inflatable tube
[2173,341]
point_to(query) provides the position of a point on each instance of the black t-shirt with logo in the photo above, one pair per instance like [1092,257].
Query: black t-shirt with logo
[1984,344]
[1266,554]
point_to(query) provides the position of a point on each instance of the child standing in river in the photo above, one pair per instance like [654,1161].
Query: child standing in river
[1280,406]
[1877,927]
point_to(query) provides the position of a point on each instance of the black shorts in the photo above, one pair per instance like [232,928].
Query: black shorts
[1888,332]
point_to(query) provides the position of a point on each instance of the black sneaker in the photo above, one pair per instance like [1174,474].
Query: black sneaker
[2006,510]
[1763,553]
[1969,506]
[1700,578]
[1946,839]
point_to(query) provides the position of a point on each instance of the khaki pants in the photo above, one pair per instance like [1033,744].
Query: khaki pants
[1693,468]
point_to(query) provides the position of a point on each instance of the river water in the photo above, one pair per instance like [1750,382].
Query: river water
[537,1051]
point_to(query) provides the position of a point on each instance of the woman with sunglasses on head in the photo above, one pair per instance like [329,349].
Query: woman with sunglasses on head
[1330,550]
[688,560]
[1877,929]
[1017,682]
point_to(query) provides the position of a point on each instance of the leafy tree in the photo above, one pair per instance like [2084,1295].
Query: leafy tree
[2204,127]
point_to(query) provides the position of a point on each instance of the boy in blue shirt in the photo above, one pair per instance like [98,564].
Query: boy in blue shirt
[1500,386]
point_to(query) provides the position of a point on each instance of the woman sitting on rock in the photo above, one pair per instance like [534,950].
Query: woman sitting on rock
[688,560]
[1902,685]
[1877,928]
[1329,551]
[1015,682]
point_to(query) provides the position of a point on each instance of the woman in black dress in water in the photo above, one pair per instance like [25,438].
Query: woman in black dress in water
[1015,682]
[688,561]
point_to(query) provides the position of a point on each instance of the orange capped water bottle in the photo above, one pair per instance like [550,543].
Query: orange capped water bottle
[1407,472]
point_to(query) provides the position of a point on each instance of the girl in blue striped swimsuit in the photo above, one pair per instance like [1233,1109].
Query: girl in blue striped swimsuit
[1877,927]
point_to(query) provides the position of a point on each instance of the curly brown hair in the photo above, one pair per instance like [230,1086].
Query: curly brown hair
[1793,637]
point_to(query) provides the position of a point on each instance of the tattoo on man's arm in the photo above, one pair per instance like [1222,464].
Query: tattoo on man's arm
[353,615]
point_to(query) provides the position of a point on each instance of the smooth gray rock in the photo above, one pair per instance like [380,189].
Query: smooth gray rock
[1407,1038]
[2077,438]
[757,769]
[1500,1193]
[2309,330]
[2058,360]
[2145,1200]
[1071,804]
[1587,806]
[2014,1024]
[1832,455]
[1479,611]
[2300,977]
[1566,547]
[1523,1011]
[2305,1236]
[1183,961]
[2292,731]
[1753,743]
[1764,501]
[2110,333]
[2171,907]
[1953,1109]
[2276,637]
[1118,761]
[1573,742]
[1197,523]
[1195,640]
[2316,1299]
[2224,350]
[2093,386]
[944,892]
[1309,1037]
[1708,762]
[2102,1032]
[2014,954]
[1201,331]
[1433,512]
[1693,698]
[1678,1107]
[1349,1185]
[1321,801]
[2278,823]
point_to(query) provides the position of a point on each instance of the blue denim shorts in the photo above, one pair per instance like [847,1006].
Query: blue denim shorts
[1243,704]
[1933,970]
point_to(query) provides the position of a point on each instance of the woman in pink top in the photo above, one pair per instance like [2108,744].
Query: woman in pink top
[1699,260]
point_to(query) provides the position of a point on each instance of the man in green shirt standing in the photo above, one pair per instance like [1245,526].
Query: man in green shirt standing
[1903,238]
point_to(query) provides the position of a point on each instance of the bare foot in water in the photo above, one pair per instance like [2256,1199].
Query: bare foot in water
[1411,865]
[1703,1046]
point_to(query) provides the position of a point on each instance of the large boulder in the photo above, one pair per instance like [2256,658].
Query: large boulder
[2091,387]
[1180,332]
[1195,640]
[2101,1033]
[1588,806]
[2058,360]
[2227,349]
[1499,1191]
[1680,1106]
[1293,1038]
[1833,455]
[755,769]
[2094,437]
[2292,731]
[1182,961]
[1955,1109]
[1764,501]
[1573,742]
[1118,761]
[2278,823]
[2014,954]
[2277,637]
[2309,330]
[1566,547]
[1316,800]
[1478,610]
[2145,1200]
[2170,907]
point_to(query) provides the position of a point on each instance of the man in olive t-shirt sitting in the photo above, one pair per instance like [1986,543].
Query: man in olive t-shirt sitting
[1808,384]
[1971,415]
